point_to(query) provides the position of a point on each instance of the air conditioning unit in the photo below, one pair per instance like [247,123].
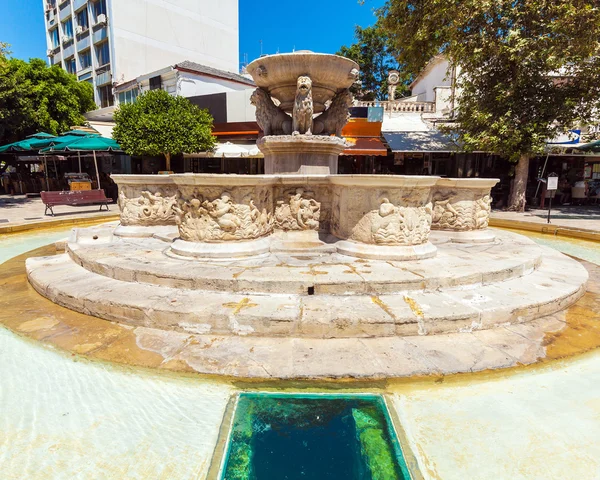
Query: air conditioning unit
[101,19]
[78,29]
[66,39]
[50,53]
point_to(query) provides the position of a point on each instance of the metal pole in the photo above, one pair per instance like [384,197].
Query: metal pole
[96,165]
[79,158]
[550,205]
[541,176]
[46,172]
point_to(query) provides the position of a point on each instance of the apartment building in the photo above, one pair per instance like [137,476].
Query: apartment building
[107,42]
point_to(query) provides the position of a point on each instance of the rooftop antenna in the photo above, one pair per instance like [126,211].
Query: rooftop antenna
[261,48]
[293,48]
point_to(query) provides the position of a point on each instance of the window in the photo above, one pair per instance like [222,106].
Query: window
[68,28]
[129,96]
[106,96]
[103,54]
[99,8]
[82,19]
[85,58]
[155,83]
[54,37]
[70,65]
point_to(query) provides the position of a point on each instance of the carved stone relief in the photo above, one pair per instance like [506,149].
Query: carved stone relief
[211,216]
[298,211]
[332,120]
[147,209]
[270,118]
[460,211]
[302,115]
[394,225]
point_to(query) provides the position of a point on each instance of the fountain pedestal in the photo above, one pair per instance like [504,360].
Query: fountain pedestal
[301,154]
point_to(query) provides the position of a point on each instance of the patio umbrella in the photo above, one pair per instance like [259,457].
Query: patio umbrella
[16,147]
[229,150]
[89,143]
[590,147]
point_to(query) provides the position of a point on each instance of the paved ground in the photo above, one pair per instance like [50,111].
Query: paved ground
[585,217]
[21,210]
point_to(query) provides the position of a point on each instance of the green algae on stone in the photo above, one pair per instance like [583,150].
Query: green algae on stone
[313,436]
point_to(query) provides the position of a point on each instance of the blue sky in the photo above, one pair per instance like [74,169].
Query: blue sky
[281,25]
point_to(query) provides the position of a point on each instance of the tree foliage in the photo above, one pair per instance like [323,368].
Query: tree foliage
[160,124]
[527,69]
[372,53]
[35,97]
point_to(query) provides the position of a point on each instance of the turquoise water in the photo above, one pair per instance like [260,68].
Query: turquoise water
[296,437]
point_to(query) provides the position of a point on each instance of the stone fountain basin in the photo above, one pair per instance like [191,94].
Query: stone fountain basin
[278,74]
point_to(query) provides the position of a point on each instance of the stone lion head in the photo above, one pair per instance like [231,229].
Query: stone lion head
[258,95]
[304,84]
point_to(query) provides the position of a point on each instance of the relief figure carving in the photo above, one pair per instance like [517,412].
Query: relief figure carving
[392,225]
[147,209]
[301,212]
[221,219]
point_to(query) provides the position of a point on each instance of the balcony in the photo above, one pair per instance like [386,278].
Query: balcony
[99,33]
[83,40]
[77,4]
[400,107]
[103,75]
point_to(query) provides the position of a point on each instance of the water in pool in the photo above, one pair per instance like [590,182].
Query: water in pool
[291,437]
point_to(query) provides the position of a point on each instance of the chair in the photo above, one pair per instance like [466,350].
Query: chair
[578,194]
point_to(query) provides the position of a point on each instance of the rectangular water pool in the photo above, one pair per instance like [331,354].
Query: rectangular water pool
[289,437]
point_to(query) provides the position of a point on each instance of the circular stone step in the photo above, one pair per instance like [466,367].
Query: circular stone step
[149,260]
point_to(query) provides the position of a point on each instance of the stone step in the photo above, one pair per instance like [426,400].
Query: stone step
[147,261]
[558,282]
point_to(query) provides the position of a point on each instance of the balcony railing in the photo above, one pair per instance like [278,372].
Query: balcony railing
[412,107]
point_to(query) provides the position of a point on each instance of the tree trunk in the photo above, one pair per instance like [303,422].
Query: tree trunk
[517,200]
[168,158]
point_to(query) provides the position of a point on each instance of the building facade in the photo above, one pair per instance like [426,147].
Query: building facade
[107,42]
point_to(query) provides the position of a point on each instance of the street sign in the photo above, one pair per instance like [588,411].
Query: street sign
[552,183]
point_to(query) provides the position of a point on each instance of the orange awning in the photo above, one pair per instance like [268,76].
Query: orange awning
[365,146]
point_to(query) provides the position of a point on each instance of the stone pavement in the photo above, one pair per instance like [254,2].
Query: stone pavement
[19,212]
[585,217]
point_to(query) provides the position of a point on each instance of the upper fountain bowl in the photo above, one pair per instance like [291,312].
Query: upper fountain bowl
[278,74]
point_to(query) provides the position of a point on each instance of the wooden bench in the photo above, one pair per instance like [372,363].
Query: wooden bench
[76,197]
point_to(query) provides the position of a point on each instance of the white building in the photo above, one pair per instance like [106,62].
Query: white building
[106,41]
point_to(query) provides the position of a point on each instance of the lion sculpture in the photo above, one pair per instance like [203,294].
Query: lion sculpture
[332,120]
[303,107]
[270,118]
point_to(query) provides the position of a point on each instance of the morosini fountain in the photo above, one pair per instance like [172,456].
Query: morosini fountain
[304,273]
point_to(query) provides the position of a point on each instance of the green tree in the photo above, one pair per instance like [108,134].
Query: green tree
[372,53]
[160,124]
[35,97]
[526,69]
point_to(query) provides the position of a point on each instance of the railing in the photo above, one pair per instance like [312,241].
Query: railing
[397,106]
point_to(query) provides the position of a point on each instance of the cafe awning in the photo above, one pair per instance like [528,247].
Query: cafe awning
[365,146]
[431,141]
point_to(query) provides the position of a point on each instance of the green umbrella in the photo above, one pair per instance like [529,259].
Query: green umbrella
[590,147]
[41,135]
[20,146]
[90,143]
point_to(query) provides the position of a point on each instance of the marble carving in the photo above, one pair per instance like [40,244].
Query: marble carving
[299,212]
[394,225]
[270,118]
[147,209]
[332,120]
[460,212]
[302,115]
[222,219]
